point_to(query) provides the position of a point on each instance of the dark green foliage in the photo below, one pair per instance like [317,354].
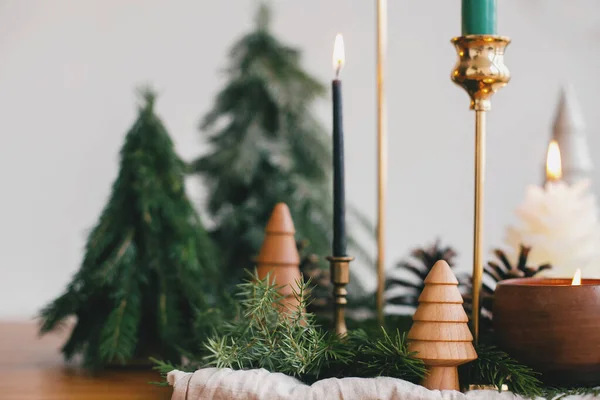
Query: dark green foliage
[497,271]
[386,356]
[266,147]
[148,267]
[561,393]
[418,269]
[321,288]
[262,337]
[495,367]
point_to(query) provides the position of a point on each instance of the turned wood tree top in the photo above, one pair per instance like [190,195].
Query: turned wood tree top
[279,247]
[440,333]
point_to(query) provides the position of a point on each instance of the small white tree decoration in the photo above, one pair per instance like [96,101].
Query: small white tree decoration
[560,223]
[568,130]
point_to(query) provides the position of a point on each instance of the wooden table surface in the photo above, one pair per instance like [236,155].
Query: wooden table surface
[33,369]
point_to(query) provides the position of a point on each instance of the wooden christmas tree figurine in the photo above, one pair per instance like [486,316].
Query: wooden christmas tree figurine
[440,333]
[279,255]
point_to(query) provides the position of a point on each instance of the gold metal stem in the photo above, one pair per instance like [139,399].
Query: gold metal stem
[340,277]
[478,220]
[381,152]
[481,71]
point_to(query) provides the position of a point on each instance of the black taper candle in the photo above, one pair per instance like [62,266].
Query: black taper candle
[339,198]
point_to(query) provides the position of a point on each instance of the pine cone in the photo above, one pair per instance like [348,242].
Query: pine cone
[497,272]
[406,292]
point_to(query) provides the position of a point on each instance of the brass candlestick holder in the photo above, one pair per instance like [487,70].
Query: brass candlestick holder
[340,277]
[480,70]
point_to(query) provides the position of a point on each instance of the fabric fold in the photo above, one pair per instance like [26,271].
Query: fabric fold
[260,384]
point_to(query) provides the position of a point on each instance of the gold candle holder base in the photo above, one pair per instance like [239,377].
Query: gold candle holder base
[503,388]
[480,70]
[340,277]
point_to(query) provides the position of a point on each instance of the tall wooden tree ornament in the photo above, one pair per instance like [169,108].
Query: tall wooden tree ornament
[440,333]
[279,256]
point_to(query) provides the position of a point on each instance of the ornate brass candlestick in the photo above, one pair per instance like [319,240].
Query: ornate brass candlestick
[480,70]
[340,277]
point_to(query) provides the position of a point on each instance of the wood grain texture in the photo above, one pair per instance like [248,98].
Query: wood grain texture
[441,274]
[432,294]
[440,331]
[278,257]
[440,335]
[442,377]
[444,353]
[441,312]
[33,369]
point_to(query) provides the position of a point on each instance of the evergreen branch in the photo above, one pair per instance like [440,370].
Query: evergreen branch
[163,368]
[389,356]
[495,367]
[262,336]
[119,335]
[54,314]
[290,342]
[561,393]
[125,252]
[147,94]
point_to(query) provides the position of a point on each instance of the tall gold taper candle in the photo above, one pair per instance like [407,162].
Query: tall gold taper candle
[381,152]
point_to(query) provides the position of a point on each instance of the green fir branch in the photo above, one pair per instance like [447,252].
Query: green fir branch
[291,342]
[389,356]
[119,335]
[561,393]
[497,368]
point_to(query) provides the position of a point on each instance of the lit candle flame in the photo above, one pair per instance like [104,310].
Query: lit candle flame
[553,162]
[577,278]
[339,56]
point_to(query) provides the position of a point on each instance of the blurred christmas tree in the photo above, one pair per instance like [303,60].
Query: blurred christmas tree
[148,267]
[266,147]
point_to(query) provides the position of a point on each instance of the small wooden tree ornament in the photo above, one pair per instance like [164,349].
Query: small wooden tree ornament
[279,255]
[440,333]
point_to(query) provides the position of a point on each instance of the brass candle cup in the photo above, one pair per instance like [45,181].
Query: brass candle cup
[481,72]
[552,326]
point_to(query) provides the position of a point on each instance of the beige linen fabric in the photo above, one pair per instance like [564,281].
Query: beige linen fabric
[260,384]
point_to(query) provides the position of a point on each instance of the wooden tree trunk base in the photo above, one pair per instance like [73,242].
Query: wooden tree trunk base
[441,378]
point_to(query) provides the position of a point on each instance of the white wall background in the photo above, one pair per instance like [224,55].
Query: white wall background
[68,69]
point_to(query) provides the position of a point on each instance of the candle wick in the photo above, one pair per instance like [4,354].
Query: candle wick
[338,69]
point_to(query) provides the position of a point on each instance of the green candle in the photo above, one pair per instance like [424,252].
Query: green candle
[478,17]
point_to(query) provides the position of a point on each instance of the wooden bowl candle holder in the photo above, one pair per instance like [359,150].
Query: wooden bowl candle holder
[552,326]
